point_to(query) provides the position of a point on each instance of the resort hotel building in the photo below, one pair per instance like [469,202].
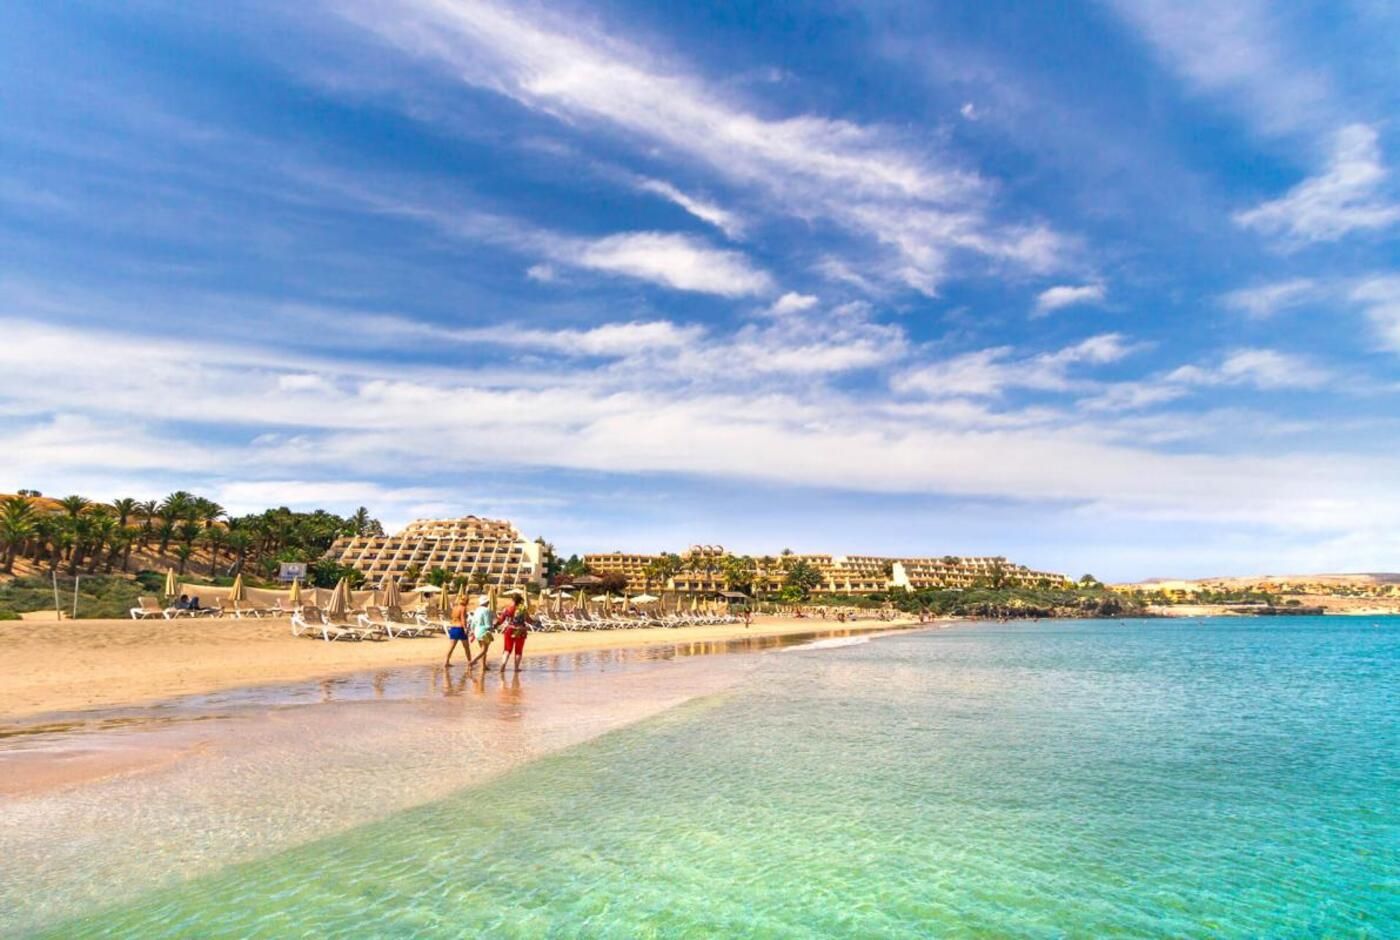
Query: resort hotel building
[492,552]
[702,570]
[489,552]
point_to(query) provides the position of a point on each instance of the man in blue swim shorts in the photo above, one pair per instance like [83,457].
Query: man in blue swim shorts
[457,633]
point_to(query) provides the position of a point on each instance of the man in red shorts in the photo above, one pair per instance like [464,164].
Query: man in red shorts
[517,624]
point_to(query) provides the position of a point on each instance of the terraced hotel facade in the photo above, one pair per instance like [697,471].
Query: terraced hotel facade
[494,552]
[702,571]
[491,551]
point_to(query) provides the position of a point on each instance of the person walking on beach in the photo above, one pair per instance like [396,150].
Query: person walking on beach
[481,628]
[457,633]
[517,624]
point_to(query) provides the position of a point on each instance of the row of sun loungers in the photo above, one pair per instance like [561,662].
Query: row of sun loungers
[576,622]
[150,608]
[376,623]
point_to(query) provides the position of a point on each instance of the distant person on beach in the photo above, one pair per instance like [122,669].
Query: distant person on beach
[748,618]
[457,633]
[517,624]
[481,629]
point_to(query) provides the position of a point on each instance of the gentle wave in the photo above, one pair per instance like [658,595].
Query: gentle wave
[832,643]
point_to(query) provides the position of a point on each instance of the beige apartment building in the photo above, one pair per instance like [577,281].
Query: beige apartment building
[470,546]
[703,571]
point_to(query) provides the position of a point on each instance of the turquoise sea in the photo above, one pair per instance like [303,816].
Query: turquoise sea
[1215,778]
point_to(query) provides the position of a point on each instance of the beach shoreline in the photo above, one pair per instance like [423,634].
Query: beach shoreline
[67,666]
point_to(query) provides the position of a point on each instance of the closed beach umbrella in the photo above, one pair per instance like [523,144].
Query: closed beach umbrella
[391,594]
[170,587]
[339,604]
[294,597]
[238,592]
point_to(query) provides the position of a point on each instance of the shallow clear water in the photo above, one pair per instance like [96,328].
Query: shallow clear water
[1235,778]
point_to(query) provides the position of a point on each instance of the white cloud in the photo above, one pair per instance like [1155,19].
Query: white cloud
[677,261]
[1061,296]
[306,382]
[1261,368]
[640,420]
[1343,198]
[1235,50]
[969,111]
[722,219]
[792,302]
[990,372]
[1131,396]
[1266,300]
[861,178]
[1380,296]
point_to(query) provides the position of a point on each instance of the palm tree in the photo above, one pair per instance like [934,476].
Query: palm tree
[214,538]
[122,542]
[146,510]
[188,531]
[74,505]
[174,507]
[183,553]
[63,539]
[46,529]
[80,530]
[125,508]
[739,573]
[104,526]
[206,511]
[239,541]
[360,521]
[17,517]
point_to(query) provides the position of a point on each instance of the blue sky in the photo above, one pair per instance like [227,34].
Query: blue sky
[1112,287]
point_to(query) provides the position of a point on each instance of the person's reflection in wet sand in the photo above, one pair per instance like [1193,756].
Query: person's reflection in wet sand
[451,686]
[511,698]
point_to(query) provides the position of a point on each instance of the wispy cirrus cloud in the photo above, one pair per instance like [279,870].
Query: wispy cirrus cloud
[862,178]
[726,221]
[676,260]
[1240,52]
[1346,196]
[990,372]
[1265,300]
[1261,368]
[1264,370]
[1379,296]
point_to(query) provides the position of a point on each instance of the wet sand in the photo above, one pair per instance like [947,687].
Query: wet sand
[54,666]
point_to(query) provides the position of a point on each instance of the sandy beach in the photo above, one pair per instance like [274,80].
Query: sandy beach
[53,666]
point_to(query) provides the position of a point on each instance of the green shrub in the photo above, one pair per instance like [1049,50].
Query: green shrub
[6,614]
